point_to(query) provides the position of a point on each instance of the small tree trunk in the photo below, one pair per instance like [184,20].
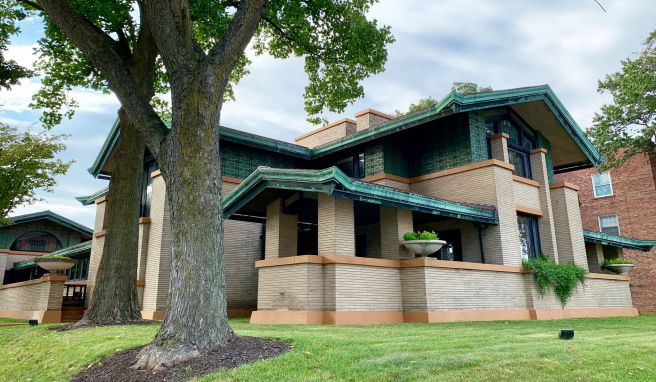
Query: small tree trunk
[115,298]
[196,319]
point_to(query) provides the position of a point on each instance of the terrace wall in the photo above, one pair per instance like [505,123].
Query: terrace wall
[39,299]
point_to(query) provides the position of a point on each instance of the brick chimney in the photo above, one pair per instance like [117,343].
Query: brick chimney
[328,133]
[368,118]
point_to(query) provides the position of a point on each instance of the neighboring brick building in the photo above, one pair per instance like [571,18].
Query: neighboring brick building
[630,196]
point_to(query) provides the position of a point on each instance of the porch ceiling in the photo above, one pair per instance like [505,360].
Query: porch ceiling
[265,184]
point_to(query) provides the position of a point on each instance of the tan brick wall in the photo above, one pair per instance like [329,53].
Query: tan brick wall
[568,228]
[526,196]
[281,232]
[499,148]
[336,226]
[546,226]
[370,118]
[394,222]
[3,266]
[158,261]
[293,287]
[324,135]
[241,248]
[97,245]
[35,295]
[144,234]
[393,183]
[358,288]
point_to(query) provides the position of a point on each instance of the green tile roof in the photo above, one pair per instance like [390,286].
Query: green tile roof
[618,241]
[90,199]
[332,181]
[452,103]
[56,218]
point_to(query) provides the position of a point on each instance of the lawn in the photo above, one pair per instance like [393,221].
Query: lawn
[603,350]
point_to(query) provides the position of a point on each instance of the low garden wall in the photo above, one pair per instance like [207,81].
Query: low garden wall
[352,290]
[39,299]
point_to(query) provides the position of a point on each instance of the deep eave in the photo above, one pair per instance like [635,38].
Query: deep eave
[56,218]
[90,199]
[452,103]
[618,241]
[334,182]
[69,251]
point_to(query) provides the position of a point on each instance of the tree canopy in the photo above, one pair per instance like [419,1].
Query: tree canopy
[460,87]
[627,125]
[10,71]
[27,163]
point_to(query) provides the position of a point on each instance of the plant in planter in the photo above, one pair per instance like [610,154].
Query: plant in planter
[56,264]
[422,243]
[618,265]
[562,279]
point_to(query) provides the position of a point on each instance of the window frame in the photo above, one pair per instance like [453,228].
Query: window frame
[524,133]
[617,219]
[534,243]
[594,186]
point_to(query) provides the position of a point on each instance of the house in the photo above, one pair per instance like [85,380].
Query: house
[314,228]
[620,202]
[26,290]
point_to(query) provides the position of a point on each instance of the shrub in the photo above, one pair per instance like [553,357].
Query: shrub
[616,261]
[562,279]
[55,257]
[423,235]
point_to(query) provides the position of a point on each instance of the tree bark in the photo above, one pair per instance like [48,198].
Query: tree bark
[115,298]
[196,318]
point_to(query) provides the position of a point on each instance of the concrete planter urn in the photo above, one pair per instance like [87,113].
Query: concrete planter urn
[55,264]
[620,269]
[422,248]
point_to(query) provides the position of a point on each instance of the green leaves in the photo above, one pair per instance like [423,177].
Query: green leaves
[27,163]
[627,126]
[10,71]
[562,279]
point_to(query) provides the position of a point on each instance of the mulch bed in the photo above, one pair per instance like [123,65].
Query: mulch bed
[241,350]
[73,325]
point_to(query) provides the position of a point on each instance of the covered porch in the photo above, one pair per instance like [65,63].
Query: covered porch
[333,255]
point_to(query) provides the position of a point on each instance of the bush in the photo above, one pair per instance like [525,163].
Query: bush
[55,257]
[561,278]
[423,235]
[615,261]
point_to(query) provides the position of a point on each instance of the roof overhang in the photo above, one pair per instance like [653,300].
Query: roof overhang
[53,217]
[618,241]
[334,182]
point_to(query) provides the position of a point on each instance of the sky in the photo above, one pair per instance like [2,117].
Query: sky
[567,44]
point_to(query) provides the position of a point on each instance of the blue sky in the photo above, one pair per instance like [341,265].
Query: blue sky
[510,43]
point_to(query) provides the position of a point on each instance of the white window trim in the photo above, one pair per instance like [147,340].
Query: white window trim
[619,231]
[594,187]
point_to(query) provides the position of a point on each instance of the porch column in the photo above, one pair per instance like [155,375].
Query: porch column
[595,255]
[97,245]
[144,233]
[546,222]
[394,222]
[281,232]
[158,259]
[3,266]
[499,147]
[336,226]
[501,241]
[567,223]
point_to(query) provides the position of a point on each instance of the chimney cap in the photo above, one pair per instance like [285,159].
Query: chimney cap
[373,111]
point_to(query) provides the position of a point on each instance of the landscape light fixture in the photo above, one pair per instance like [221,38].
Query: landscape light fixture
[566,334]
[33,322]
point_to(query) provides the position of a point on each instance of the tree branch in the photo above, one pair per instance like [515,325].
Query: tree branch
[99,47]
[283,33]
[173,33]
[223,57]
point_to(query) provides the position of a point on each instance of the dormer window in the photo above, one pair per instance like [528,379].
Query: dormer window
[520,143]
[353,166]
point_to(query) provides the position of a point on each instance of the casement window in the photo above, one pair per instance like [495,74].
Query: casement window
[602,185]
[353,166]
[147,190]
[609,224]
[521,140]
[80,271]
[529,237]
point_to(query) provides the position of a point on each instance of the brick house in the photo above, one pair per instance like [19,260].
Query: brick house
[314,228]
[621,201]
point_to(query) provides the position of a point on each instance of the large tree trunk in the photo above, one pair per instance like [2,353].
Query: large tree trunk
[196,318]
[115,298]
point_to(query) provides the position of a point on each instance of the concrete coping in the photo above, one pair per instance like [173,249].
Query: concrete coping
[500,135]
[408,263]
[439,174]
[22,253]
[564,185]
[326,127]
[526,181]
[100,233]
[539,150]
[45,278]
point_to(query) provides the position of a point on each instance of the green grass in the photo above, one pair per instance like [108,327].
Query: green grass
[12,321]
[603,350]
